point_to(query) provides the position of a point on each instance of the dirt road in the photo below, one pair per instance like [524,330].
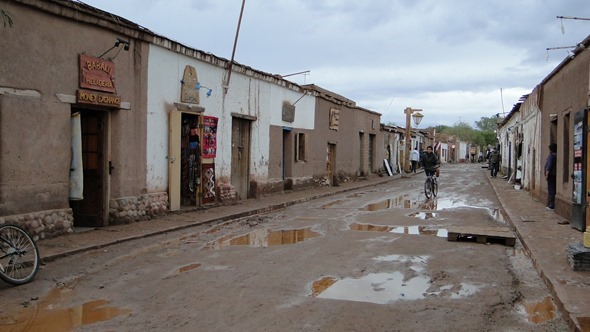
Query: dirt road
[371,260]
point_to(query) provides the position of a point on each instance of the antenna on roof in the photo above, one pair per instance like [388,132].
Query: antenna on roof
[570,18]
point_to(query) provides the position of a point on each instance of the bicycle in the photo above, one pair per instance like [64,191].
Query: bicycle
[19,255]
[430,186]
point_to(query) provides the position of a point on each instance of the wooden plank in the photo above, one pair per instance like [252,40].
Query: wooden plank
[501,235]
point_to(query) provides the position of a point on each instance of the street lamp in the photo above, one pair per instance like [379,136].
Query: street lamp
[417,116]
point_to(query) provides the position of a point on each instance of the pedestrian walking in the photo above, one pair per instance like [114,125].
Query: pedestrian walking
[414,157]
[494,162]
[550,175]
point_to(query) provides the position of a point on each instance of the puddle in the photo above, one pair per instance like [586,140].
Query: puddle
[497,215]
[540,312]
[369,228]
[188,267]
[321,285]
[409,230]
[380,288]
[182,269]
[419,230]
[389,287]
[356,195]
[423,215]
[400,201]
[325,206]
[45,315]
[264,238]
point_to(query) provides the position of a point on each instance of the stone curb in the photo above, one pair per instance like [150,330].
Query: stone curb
[559,302]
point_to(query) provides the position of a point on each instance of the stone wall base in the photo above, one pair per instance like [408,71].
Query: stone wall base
[143,207]
[44,224]
[226,193]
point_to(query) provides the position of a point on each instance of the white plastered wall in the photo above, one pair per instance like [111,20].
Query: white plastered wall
[247,95]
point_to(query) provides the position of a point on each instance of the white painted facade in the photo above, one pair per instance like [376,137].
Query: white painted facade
[507,136]
[247,95]
[463,151]
[444,152]
[531,155]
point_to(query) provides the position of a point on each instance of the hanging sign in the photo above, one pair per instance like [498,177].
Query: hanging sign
[209,137]
[97,74]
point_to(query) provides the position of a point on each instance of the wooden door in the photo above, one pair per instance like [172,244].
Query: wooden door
[89,212]
[174,160]
[240,163]
[331,164]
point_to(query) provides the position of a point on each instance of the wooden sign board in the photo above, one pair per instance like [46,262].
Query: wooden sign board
[188,91]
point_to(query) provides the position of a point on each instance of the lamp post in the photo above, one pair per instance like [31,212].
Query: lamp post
[414,113]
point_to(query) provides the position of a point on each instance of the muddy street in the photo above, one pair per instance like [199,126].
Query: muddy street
[376,259]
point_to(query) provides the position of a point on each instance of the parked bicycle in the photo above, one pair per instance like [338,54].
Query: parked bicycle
[19,255]
[431,186]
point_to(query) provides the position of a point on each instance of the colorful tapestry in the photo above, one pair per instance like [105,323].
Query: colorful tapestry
[208,183]
[209,141]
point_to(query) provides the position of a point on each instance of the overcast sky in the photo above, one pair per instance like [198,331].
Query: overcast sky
[457,60]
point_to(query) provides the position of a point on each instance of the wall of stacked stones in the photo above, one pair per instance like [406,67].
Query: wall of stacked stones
[143,207]
[44,224]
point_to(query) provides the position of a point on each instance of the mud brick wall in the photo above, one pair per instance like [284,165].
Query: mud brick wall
[129,209]
[44,224]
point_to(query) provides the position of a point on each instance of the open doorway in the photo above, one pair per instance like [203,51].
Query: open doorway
[89,209]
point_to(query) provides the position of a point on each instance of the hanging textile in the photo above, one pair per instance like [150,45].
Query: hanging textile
[76,169]
[209,137]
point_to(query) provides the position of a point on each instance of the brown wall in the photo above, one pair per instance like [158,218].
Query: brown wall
[40,54]
[563,94]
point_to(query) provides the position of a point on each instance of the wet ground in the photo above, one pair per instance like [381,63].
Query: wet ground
[370,260]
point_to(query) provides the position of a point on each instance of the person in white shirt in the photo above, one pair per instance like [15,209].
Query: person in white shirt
[414,158]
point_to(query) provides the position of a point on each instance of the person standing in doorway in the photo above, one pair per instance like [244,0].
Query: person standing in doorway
[494,162]
[414,157]
[550,175]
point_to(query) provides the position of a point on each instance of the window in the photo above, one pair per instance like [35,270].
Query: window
[300,147]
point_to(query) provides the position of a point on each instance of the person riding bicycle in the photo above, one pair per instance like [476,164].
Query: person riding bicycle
[430,161]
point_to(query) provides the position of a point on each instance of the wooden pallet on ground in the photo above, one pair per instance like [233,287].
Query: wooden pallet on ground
[502,235]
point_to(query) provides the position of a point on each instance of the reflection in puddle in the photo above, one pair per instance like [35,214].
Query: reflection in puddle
[188,267]
[356,195]
[423,215]
[410,230]
[380,288]
[390,203]
[264,238]
[388,287]
[321,285]
[419,230]
[325,206]
[47,316]
[370,228]
[540,312]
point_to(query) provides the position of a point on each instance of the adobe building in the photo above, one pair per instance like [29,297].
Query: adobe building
[564,105]
[72,92]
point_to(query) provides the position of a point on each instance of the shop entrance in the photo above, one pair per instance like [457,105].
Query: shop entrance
[90,210]
[185,160]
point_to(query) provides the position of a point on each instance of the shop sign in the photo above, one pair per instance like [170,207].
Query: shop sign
[97,98]
[97,74]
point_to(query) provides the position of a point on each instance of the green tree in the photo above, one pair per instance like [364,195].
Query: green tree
[441,128]
[487,124]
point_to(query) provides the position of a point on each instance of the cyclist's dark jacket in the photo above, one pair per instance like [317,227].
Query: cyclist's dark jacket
[429,161]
